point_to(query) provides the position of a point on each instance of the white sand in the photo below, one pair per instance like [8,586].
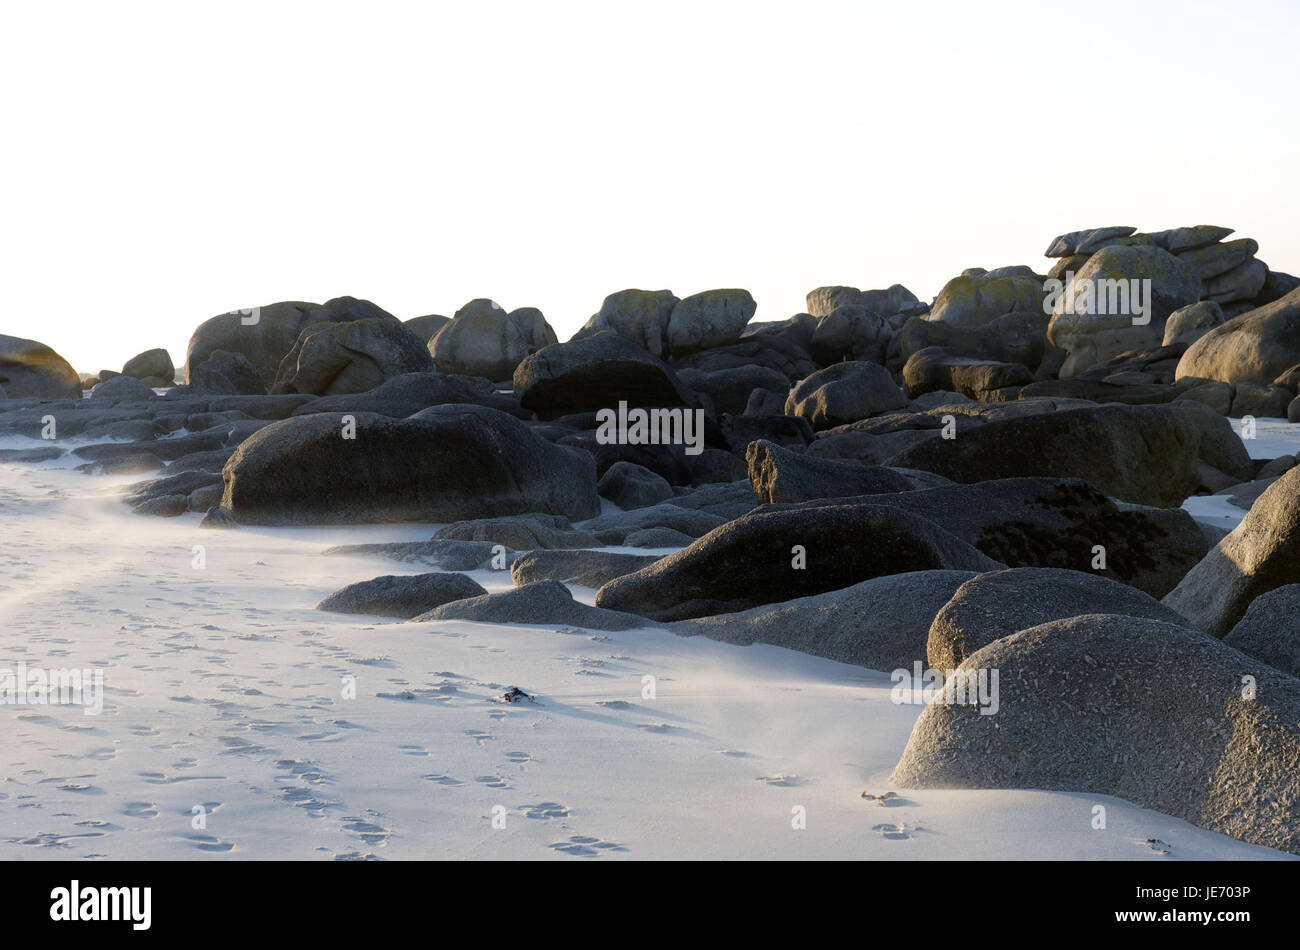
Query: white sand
[224,690]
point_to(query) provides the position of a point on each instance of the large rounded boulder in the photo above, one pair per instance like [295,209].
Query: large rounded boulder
[639,316]
[1261,554]
[976,297]
[771,555]
[997,604]
[352,356]
[28,368]
[484,340]
[1147,455]
[596,372]
[1255,347]
[446,463]
[262,335]
[708,319]
[1150,712]
[843,393]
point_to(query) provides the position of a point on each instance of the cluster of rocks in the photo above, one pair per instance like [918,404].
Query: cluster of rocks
[972,483]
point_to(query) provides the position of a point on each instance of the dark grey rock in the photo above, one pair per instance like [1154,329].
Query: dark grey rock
[880,623]
[445,463]
[404,595]
[629,486]
[757,559]
[585,568]
[545,602]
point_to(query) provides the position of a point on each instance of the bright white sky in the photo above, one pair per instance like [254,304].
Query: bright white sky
[164,162]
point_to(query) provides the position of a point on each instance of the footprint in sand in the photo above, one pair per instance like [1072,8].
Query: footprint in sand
[894,832]
[492,781]
[369,832]
[784,781]
[544,811]
[518,758]
[478,736]
[141,810]
[209,843]
[413,750]
[585,846]
[443,780]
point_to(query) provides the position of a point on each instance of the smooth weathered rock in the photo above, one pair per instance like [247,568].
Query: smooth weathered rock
[1188,324]
[351,356]
[938,369]
[31,369]
[1048,522]
[446,555]
[845,392]
[1000,603]
[892,300]
[1255,347]
[1177,240]
[1011,338]
[708,319]
[122,389]
[262,335]
[1270,629]
[156,362]
[1220,258]
[780,475]
[1087,240]
[851,332]
[585,568]
[730,389]
[445,463]
[1149,712]
[629,486]
[1100,327]
[223,373]
[484,340]
[974,300]
[1239,285]
[527,532]
[639,316]
[545,602]
[657,538]
[1261,554]
[407,394]
[881,623]
[427,327]
[789,431]
[614,527]
[596,372]
[1268,402]
[403,596]
[755,560]
[1142,454]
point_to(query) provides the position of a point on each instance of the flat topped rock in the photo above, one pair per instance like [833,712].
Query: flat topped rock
[545,602]
[403,596]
